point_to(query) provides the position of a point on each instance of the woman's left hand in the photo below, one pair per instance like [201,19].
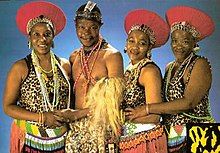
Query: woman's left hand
[133,113]
[50,120]
[62,115]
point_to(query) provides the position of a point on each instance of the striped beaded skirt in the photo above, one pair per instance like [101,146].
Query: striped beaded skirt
[27,138]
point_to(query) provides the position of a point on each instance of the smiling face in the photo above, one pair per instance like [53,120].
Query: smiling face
[41,38]
[87,32]
[137,46]
[182,44]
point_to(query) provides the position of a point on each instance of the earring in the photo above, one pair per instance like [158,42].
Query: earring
[29,45]
[149,54]
[52,46]
[196,48]
[125,50]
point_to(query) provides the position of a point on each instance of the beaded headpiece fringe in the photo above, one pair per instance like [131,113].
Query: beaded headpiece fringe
[88,14]
[39,19]
[147,30]
[185,27]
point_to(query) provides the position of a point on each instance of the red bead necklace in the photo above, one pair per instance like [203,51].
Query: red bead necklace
[86,71]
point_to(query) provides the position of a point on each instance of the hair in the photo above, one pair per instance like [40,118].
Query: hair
[104,101]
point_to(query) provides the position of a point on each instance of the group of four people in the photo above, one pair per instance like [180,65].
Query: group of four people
[113,111]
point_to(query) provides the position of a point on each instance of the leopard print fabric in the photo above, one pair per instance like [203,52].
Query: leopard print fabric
[81,139]
[134,93]
[175,90]
[31,97]
[84,140]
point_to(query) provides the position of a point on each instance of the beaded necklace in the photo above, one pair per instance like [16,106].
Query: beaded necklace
[40,75]
[85,70]
[131,66]
[187,62]
[47,72]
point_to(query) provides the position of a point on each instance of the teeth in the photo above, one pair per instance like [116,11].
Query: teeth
[43,45]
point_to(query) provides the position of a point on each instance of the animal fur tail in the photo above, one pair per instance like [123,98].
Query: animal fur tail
[104,101]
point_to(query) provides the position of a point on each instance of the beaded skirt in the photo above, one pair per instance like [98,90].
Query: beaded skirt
[147,141]
[27,137]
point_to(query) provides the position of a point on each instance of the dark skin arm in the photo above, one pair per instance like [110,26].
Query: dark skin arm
[15,77]
[198,85]
[150,78]
[114,65]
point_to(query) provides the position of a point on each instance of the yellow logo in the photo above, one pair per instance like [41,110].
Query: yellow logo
[203,138]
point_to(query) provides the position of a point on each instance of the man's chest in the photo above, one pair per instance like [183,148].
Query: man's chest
[86,70]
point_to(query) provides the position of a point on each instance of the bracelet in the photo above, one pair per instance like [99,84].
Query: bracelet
[147,109]
[41,118]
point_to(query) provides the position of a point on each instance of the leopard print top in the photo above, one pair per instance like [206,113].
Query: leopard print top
[31,97]
[175,90]
[134,93]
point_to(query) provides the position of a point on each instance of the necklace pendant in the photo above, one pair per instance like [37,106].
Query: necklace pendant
[45,77]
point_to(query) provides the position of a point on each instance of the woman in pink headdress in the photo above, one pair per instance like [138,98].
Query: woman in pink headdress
[187,79]
[38,84]
[146,30]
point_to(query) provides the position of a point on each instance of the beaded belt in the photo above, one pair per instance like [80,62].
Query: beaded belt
[138,138]
[39,131]
[130,128]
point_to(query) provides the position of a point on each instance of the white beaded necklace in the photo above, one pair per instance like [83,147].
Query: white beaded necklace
[131,66]
[187,62]
[47,105]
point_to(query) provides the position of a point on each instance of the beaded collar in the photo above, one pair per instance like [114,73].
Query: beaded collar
[131,66]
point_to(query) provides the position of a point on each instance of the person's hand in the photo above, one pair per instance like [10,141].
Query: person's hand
[59,115]
[133,113]
[50,120]
[64,115]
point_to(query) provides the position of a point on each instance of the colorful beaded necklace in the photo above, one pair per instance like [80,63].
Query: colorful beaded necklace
[85,70]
